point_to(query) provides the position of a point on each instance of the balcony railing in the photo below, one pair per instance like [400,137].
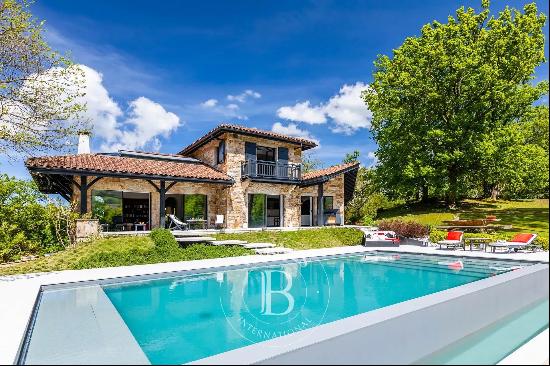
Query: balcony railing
[270,170]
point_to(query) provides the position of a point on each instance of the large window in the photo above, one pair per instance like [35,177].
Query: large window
[194,206]
[328,204]
[107,206]
[256,210]
[265,153]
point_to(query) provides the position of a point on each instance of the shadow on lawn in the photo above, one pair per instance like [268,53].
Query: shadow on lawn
[533,218]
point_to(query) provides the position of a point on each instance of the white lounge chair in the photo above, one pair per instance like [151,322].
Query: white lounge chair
[177,224]
[519,241]
[219,221]
[453,240]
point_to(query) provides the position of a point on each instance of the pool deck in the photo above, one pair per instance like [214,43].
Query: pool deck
[18,293]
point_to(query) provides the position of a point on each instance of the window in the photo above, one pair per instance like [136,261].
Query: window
[107,206]
[265,153]
[194,206]
[220,153]
[328,203]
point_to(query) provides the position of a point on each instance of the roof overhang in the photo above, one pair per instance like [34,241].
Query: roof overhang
[220,130]
[325,178]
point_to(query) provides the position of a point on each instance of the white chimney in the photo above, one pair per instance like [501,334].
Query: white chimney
[84,142]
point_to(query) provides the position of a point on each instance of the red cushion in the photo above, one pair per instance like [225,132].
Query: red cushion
[522,238]
[454,235]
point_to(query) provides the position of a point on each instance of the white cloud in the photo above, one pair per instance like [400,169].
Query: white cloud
[303,112]
[232,107]
[241,98]
[292,130]
[209,103]
[138,128]
[347,110]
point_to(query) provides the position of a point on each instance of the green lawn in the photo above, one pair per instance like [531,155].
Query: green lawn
[301,239]
[113,252]
[523,215]
[126,251]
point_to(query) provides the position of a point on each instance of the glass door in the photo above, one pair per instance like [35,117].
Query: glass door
[306,212]
[256,210]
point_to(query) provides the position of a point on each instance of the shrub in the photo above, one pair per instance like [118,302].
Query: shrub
[542,242]
[163,239]
[30,222]
[407,229]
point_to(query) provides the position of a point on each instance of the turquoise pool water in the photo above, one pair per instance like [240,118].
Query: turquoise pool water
[185,318]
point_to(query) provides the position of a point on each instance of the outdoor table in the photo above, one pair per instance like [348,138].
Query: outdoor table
[142,226]
[481,242]
[197,222]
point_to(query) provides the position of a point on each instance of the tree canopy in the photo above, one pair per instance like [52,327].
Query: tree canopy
[39,88]
[448,96]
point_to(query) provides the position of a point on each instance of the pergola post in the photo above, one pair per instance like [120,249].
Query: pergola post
[320,208]
[83,194]
[162,192]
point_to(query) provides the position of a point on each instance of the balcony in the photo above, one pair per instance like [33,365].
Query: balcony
[270,170]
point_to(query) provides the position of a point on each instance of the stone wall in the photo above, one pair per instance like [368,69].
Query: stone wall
[216,194]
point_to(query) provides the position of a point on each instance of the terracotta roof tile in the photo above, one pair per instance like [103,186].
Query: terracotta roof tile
[330,171]
[127,165]
[306,144]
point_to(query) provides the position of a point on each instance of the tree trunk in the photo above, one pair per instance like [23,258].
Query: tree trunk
[424,193]
[494,192]
[453,187]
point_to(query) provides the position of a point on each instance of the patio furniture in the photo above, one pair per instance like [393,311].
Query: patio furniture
[176,224]
[197,222]
[480,242]
[219,221]
[453,240]
[519,241]
[142,226]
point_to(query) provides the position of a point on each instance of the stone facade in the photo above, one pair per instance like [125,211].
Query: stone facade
[231,201]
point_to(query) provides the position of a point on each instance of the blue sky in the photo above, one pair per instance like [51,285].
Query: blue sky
[163,73]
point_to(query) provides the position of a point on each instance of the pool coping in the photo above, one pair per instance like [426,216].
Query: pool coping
[19,292]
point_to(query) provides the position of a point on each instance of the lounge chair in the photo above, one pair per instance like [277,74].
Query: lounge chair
[519,241]
[176,224]
[219,221]
[453,240]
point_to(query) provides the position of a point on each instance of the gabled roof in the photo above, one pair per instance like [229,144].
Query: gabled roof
[124,166]
[321,175]
[305,144]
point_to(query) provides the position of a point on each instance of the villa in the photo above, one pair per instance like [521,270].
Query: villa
[244,176]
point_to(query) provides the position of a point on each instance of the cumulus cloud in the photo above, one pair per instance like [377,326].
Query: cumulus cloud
[346,110]
[303,112]
[292,130]
[209,103]
[139,127]
[241,98]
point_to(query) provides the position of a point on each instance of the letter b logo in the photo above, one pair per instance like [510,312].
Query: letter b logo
[268,293]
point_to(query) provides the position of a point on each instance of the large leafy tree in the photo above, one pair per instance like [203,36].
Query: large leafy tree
[442,93]
[39,88]
[515,158]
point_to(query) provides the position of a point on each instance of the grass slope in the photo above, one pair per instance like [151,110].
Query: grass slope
[301,239]
[113,252]
[523,215]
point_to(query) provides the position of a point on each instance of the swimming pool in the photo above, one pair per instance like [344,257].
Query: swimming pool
[187,317]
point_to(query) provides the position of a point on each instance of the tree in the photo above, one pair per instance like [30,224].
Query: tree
[351,157]
[444,92]
[39,89]
[310,162]
[515,158]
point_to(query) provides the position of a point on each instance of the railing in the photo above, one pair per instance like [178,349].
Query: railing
[270,170]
